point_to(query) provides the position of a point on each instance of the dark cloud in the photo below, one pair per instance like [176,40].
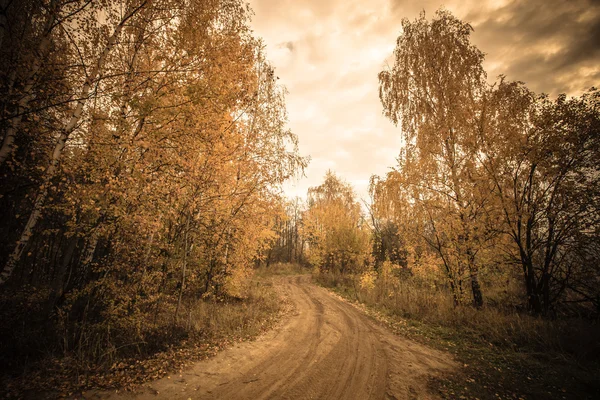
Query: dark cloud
[548,44]
[551,45]
[287,45]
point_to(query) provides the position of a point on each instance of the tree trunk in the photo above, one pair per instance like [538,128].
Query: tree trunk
[455,298]
[4,4]
[474,275]
[183,268]
[209,273]
[58,149]
[545,293]
[476,289]
[14,122]
[58,283]
[146,260]
[90,249]
[533,299]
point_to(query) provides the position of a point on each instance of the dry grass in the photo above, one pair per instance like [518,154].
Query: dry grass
[235,316]
[506,353]
[128,355]
[500,326]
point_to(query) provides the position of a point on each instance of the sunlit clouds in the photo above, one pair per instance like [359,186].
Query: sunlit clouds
[328,55]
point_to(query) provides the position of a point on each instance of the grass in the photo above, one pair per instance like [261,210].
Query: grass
[505,354]
[205,327]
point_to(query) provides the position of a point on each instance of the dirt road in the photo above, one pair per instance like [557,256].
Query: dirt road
[326,349]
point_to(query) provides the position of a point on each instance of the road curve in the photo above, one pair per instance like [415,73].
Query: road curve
[326,349]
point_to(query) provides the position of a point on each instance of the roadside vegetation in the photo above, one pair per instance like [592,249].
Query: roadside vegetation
[210,325]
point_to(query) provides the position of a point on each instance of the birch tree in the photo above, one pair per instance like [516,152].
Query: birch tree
[433,91]
[66,130]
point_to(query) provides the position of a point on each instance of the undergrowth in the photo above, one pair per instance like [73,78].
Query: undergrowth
[505,353]
[204,327]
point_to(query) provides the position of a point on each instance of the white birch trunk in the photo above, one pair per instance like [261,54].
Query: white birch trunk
[27,94]
[90,248]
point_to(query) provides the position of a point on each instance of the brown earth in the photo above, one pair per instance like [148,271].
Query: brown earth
[325,349]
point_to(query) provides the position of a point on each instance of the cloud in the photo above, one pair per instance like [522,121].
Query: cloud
[287,45]
[328,54]
[553,46]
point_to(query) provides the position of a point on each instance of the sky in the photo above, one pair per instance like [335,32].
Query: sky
[328,54]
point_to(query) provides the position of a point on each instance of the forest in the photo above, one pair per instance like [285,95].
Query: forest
[144,148]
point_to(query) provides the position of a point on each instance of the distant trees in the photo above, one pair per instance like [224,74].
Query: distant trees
[489,174]
[290,245]
[337,236]
[327,232]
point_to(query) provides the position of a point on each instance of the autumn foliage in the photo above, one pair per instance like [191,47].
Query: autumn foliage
[493,180]
[144,144]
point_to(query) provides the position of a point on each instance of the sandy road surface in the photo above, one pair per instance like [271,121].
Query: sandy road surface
[327,349]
